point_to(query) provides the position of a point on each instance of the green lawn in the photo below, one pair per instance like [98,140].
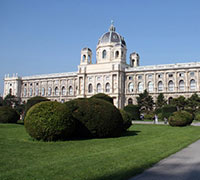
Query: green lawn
[94,159]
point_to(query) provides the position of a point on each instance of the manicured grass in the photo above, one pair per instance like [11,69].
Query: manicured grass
[94,159]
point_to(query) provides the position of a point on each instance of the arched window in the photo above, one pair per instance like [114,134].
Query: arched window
[43,91]
[10,91]
[130,101]
[130,87]
[98,88]
[140,87]
[56,91]
[70,90]
[37,91]
[49,91]
[104,54]
[150,86]
[25,92]
[181,85]
[31,92]
[192,85]
[63,91]
[116,54]
[107,87]
[171,86]
[160,86]
[90,88]
[84,57]
[89,57]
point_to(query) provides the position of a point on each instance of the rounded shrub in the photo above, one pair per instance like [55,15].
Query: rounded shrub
[96,118]
[8,115]
[180,118]
[127,122]
[133,110]
[103,97]
[32,101]
[49,121]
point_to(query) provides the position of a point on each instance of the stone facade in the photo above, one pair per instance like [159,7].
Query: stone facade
[110,75]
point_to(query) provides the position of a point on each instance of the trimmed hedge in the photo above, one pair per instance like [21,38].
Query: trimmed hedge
[180,118]
[96,118]
[133,110]
[168,110]
[49,121]
[127,122]
[32,101]
[103,97]
[8,115]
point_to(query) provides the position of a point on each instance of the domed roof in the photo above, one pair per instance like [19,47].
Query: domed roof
[86,49]
[112,37]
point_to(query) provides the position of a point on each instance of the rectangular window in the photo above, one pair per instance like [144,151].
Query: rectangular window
[160,75]
[139,76]
[130,78]
[150,76]
[191,74]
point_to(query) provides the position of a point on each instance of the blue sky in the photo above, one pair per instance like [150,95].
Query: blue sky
[46,36]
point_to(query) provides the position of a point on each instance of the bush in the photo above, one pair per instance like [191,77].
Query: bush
[96,118]
[197,116]
[127,122]
[160,116]
[133,110]
[158,111]
[180,118]
[149,116]
[49,121]
[103,97]
[168,110]
[8,115]
[32,101]
[191,112]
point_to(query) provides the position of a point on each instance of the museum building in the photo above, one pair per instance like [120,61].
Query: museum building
[110,75]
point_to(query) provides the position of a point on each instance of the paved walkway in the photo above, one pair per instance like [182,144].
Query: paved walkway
[160,122]
[183,165]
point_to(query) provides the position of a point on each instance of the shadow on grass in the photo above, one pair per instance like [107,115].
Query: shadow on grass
[130,133]
[125,134]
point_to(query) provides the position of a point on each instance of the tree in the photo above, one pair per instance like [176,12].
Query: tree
[133,110]
[11,101]
[145,102]
[160,102]
[193,102]
[179,102]
[1,101]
